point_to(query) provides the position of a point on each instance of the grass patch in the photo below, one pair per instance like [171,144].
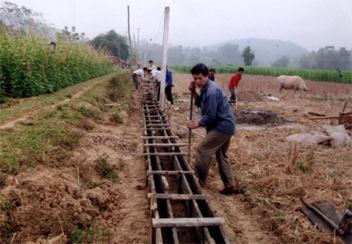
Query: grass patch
[49,136]
[93,234]
[104,169]
[47,142]
[26,105]
[8,225]
[119,86]
[305,169]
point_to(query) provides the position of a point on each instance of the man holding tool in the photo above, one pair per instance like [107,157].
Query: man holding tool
[219,121]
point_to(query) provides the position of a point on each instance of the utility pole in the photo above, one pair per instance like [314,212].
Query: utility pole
[135,47]
[164,62]
[129,36]
[138,46]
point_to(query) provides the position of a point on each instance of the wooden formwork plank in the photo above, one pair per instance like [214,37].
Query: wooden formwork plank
[158,235]
[157,125]
[165,145]
[170,172]
[154,116]
[187,222]
[163,154]
[177,196]
[159,137]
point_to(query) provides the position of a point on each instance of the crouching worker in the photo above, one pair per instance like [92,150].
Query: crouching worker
[141,73]
[219,121]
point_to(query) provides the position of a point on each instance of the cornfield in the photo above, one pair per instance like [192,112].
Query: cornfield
[29,68]
[314,75]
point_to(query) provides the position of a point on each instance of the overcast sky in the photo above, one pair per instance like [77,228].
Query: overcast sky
[311,24]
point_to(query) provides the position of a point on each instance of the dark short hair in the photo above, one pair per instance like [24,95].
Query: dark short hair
[158,68]
[149,70]
[145,68]
[213,69]
[240,69]
[151,61]
[200,69]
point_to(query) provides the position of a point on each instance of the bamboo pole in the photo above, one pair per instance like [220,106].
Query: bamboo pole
[129,36]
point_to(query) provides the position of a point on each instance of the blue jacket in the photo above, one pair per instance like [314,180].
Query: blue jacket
[168,79]
[217,114]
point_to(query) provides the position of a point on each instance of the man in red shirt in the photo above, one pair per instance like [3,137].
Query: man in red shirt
[234,83]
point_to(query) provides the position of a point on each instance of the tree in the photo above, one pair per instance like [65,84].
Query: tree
[247,56]
[229,54]
[23,19]
[113,42]
[73,35]
[281,62]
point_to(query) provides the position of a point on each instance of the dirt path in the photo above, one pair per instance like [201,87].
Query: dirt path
[129,215]
[11,123]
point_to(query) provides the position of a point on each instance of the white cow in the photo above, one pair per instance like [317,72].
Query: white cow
[291,82]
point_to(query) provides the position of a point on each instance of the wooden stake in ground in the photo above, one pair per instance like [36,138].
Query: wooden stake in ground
[190,130]
[129,37]
[236,97]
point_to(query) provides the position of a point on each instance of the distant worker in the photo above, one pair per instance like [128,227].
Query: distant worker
[156,75]
[219,121]
[151,65]
[127,63]
[212,71]
[168,85]
[141,73]
[234,83]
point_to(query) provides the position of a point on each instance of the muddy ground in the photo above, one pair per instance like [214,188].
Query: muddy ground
[55,198]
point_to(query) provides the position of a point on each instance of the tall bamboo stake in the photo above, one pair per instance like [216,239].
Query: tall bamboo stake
[190,130]
[129,36]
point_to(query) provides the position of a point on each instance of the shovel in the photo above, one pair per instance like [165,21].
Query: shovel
[345,223]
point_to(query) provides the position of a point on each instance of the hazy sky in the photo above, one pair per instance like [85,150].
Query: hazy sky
[311,24]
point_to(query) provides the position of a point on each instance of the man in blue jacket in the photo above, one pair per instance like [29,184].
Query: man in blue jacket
[168,85]
[219,121]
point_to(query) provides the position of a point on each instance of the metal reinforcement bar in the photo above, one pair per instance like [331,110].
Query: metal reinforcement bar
[179,211]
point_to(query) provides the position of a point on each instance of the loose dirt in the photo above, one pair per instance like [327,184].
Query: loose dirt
[257,117]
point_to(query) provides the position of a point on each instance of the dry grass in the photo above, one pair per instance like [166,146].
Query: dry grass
[275,173]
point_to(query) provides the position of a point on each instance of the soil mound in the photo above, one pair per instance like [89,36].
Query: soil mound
[249,96]
[257,117]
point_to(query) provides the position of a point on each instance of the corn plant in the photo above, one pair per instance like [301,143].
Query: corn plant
[29,68]
[314,75]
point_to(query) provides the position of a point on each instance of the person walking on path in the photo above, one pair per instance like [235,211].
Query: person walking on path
[212,71]
[234,83]
[141,73]
[168,85]
[219,121]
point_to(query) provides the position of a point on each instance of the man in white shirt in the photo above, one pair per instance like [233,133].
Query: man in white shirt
[156,74]
[141,73]
[151,65]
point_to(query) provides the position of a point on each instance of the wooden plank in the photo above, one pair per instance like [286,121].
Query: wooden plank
[153,128]
[187,222]
[165,145]
[157,125]
[155,116]
[163,154]
[172,172]
[159,137]
[178,196]
[158,235]
[316,118]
